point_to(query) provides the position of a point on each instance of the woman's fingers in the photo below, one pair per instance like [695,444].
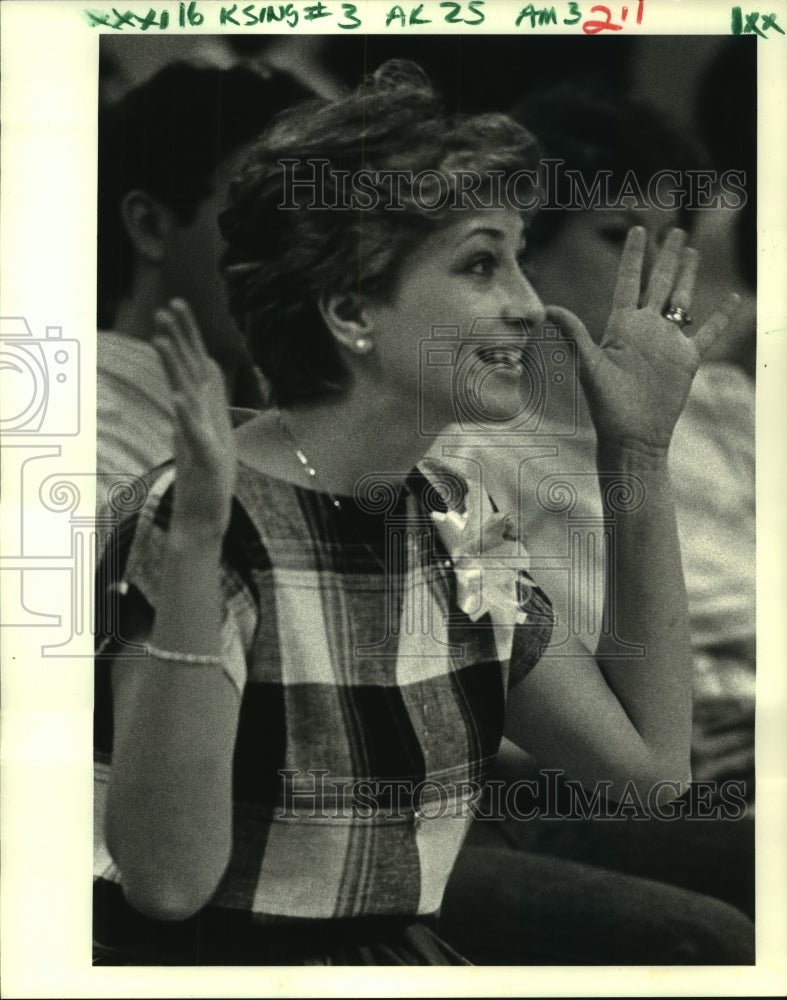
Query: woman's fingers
[575,329]
[629,279]
[181,354]
[180,329]
[716,325]
[191,373]
[665,271]
[203,442]
[192,429]
[189,328]
[683,292]
[162,344]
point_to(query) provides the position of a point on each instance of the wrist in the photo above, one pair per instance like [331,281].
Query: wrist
[624,454]
[194,537]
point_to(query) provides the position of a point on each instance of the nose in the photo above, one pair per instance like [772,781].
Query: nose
[522,302]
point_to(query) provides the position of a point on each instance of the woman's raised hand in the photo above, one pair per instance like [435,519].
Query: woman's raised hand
[204,442]
[637,379]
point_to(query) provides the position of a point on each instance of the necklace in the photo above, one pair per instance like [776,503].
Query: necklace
[308,468]
[311,472]
[446,562]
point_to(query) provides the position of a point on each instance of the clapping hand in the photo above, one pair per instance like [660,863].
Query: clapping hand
[638,377]
[204,443]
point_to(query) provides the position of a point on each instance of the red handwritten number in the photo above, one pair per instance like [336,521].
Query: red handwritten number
[591,27]
[594,27]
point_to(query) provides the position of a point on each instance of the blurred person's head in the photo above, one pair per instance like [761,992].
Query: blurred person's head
[726,115]
[573,252]
[725,112]
[301,279]
[167,150]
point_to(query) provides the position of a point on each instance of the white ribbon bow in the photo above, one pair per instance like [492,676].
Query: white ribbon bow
[485,567]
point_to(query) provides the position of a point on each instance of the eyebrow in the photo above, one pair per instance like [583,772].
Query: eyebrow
[496,234]
[493,233]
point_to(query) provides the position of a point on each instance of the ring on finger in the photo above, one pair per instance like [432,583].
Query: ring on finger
[677,315]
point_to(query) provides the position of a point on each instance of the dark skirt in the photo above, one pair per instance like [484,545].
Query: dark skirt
[227,937]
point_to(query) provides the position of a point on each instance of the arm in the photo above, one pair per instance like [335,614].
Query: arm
[605,718]
[621,719]
[169,813]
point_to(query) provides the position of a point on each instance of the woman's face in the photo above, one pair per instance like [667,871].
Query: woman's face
[578,268]
[454,328]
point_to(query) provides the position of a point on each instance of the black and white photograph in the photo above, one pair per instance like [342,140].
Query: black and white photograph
[413,573]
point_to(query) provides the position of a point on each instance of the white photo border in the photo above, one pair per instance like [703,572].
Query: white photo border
[49,102]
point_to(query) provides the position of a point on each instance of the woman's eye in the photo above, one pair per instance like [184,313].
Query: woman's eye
[482,266]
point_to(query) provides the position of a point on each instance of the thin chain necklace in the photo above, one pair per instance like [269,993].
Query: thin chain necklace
[311,472]
[308,468]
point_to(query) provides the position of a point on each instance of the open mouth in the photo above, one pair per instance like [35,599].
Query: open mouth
[504,358]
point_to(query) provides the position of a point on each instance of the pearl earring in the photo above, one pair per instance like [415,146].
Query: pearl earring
[363,345]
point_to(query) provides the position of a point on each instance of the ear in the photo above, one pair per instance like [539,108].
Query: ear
[347,320]
[148,224]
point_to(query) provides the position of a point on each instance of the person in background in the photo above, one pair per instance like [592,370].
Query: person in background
[549,477]
[727,128]
[572,259]
[166,152]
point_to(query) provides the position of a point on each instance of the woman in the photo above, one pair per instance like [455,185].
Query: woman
[296,755]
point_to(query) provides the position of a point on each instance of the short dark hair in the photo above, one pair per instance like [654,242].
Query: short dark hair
[594,129]
[278,263]
[168,137]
